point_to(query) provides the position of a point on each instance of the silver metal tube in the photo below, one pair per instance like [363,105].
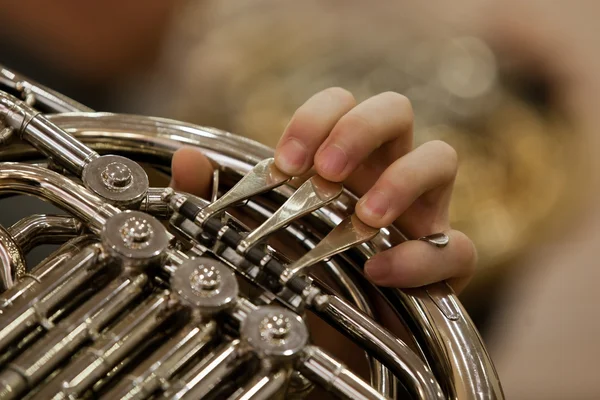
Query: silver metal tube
[464,364]
[39,360]
[65,252]
[44,135]
[55,143]
[333,376]
[208,373]
[12,262]
[44,229]
[164,363]
[393,353]
[30,308]
[265,385]
[111,348]
[60,190]
[381,377]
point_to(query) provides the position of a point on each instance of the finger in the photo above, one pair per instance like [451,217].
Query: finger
[378,120]
[416,263]
[309,127]
[191,172]
[426,174]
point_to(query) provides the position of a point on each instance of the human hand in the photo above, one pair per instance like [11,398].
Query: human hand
[369,147]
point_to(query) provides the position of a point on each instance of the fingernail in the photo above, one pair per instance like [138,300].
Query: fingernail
[377,269]
[291,156]
[334,160]
[375,203]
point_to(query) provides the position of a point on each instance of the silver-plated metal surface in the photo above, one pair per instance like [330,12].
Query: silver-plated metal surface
[274,332]
[44,356]
[59,190]
[214,195]
[471,373]
[436,239]
[312,195]
[205,284]
[205,376]
[349,233]
[55,143]
[392,352]
[137,238]
[381,377]
[31,307]
[118,179]
[65,252]
[333,376]
[44,135]
[263,177]
[12,262]
[38,229]
[158,369]
[154,205]
[265,385]
[110,349]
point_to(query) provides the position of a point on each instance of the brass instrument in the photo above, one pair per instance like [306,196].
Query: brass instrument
[160,294]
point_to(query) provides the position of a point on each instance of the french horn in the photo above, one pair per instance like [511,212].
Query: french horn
[254,293]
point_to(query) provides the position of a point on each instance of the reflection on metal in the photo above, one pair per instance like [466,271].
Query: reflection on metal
[335,377]
[205,284]
[117,179]
[436,239]
[44,229]
[349,233]
[263,177]
[312,195]
[12,262]
[274,332]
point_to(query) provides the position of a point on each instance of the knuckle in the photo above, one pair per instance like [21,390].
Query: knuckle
[400,102]
[444,151]
[301,125]
[340,94]
[390,183]
[356,123]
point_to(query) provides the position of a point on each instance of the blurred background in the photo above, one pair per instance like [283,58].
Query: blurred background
[511,86]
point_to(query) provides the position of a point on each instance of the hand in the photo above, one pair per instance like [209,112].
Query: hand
[368,147]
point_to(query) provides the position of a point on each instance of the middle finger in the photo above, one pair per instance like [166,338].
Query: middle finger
[383,119]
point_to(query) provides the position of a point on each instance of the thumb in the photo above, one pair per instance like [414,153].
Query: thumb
[191,172]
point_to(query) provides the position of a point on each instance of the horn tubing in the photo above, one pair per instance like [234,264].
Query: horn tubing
[59,190]
[38,229]
[159,138]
